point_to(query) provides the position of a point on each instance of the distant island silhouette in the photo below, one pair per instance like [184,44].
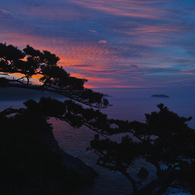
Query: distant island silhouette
[160,96]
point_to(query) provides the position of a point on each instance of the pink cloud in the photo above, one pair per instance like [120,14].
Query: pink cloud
[5,11]
[102,41]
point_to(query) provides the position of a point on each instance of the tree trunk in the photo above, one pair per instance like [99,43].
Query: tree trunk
[163,182]
[148,189]
[133,182]
[167,182]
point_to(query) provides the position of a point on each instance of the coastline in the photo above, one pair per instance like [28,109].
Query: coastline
[33,161]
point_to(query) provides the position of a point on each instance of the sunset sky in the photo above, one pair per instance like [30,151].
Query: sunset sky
[112,43]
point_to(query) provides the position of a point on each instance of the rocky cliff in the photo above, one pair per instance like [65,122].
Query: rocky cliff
[31,162]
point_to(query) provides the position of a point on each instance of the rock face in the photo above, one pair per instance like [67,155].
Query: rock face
[31,162]
[143,173]
[160,96]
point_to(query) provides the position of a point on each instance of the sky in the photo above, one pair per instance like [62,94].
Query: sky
[112,43]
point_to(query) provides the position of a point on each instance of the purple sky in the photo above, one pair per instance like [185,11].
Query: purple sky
[112,43]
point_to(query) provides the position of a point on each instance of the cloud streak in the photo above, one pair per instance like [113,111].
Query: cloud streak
[111,43]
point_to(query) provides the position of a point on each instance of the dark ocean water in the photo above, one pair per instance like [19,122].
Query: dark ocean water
[128,104]
[132,104]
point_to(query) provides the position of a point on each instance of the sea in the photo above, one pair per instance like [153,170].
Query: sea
[127,104]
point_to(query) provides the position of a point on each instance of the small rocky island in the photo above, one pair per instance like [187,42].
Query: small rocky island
[160,96]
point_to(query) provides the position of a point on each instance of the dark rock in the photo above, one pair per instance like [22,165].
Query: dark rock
[32,161]
[143,173]
[160,96]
